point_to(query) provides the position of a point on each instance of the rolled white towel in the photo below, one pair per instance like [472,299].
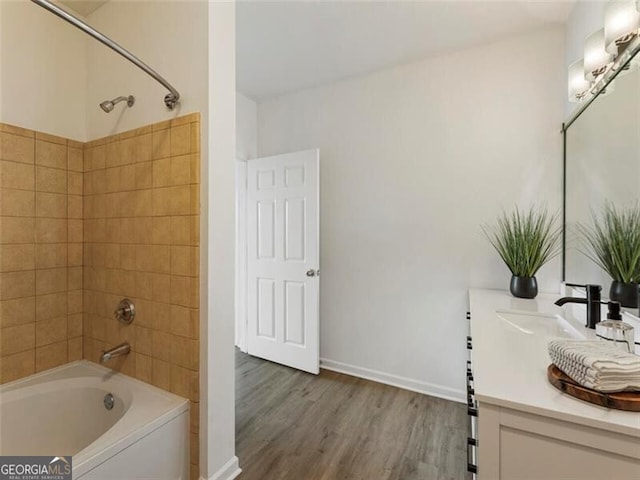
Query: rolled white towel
[596,364]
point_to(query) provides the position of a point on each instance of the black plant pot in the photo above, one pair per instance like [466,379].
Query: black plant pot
[625,293]
[523,287]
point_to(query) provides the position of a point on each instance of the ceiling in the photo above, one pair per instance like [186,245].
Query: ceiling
[287,46]
[83,7]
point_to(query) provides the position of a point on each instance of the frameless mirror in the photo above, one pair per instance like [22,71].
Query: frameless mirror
[602,164]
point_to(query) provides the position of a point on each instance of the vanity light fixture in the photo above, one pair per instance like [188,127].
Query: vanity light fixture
[578,85]
[596,58]
[621,24]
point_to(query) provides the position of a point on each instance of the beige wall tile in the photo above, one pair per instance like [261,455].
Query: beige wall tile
[74,349]
[74,302]
[17,230]
[161,144]
[51,356]
[17,311]
[162,201]
[49,230]
[195,168]
[162,172]
[16,148]
[17,203]
[144,340]
[75,229]
[5,127]
[17,284]
[51,154]
[74,325]
[17,339]
[194,417]
[75,159]
[180,170]
[15,258]
[95,158]
[180,140]
[127,151]
[160,287]
[17,175]
[184,352]
[50,306]
[144,258]
[17,366]
[51,180]
[161,258]
[161,231]
[162,316]
[112,180]
[180,381]
[127,177]
[74,278]
[180,291]
[195,137]
[180,230]
[195,199]
[142,203]
[74,183]
[51,255]
[51,331]
[144,175]
[52,280]
[74,254]
[161,345]
[47,137]
[143,285]
[143,147]
[112,154]
[144,367]
[180,200]
[161,374]
[184,260]
[51,205]
[75,206]
[128,258]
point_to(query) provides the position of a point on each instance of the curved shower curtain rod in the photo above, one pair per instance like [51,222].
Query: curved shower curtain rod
[170,98]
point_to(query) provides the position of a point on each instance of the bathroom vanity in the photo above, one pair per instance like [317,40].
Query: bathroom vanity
[522,426]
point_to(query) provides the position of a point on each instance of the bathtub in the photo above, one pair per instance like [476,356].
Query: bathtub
[144,435]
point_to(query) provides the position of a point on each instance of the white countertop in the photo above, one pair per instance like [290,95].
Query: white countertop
[510,368]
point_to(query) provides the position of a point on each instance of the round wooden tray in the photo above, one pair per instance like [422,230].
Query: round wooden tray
[628,401]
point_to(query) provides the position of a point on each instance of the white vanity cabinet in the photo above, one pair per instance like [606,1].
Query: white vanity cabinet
[527,429]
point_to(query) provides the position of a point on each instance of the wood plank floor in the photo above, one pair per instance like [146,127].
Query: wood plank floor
[296,426]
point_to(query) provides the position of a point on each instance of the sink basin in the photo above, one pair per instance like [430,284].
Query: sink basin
[531,323]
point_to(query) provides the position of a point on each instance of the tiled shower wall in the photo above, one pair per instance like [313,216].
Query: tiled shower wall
[141,241]
[83,226]
[40,251]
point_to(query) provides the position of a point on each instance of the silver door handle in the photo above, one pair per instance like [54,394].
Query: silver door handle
[311,273]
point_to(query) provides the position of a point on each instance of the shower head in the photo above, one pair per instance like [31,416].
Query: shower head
[108,105]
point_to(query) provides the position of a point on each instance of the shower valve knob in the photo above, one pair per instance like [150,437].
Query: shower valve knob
[126,311]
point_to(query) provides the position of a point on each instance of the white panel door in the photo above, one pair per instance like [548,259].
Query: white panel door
[283,259]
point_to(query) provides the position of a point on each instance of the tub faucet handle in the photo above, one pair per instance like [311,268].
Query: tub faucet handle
[126,311]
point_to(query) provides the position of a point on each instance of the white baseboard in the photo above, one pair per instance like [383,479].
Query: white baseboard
[395,380]
[229,471]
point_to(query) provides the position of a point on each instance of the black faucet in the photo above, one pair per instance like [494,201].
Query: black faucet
[592,302]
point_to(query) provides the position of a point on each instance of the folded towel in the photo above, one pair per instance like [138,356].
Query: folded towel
[598,365]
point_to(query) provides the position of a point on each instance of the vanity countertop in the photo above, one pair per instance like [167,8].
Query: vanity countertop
[510,367]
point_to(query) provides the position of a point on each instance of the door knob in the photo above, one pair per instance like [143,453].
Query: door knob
[311,273]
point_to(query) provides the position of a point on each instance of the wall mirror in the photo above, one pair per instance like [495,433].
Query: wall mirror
[602,164]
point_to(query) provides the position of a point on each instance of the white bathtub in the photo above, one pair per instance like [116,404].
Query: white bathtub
[61,412]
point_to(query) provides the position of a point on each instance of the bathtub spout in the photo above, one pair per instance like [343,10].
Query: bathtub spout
[121,349]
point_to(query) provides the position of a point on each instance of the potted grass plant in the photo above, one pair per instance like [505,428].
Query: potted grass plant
[525,240]
[613,243]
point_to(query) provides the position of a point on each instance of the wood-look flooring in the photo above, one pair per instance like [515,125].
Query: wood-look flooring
[296,426]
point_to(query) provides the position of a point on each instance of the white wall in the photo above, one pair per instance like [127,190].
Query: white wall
[217,410]
[246,128]
[42,72]
[170,37]
[413,159]
[585,18]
